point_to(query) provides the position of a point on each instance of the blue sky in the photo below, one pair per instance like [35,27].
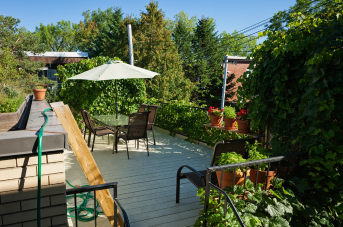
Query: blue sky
[229,15]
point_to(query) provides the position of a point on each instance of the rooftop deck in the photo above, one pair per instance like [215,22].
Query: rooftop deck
[147,184]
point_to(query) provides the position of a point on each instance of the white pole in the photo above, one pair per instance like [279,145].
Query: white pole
[224,81]
[129,34]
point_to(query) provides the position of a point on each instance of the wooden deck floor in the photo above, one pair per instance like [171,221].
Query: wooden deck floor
[146,185]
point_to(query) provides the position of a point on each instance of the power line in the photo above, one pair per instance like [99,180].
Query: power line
[247,36]
[266,21]
[244,42]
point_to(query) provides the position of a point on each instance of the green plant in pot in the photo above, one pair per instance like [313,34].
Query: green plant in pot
[230,117]
[257,152]
[215,115]
[230,158]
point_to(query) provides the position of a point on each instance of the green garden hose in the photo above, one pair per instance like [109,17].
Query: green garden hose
[85,216]
[84,213]
[40,142]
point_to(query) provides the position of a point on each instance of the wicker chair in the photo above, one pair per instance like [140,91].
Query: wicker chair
[136,129]
[97,131]
[198,177]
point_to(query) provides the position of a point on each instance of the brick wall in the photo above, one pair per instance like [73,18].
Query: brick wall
[18,190]
[238,70]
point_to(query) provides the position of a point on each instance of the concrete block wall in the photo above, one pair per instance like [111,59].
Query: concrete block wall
[18,190]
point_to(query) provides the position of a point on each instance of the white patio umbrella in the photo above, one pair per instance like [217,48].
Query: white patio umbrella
[114,70]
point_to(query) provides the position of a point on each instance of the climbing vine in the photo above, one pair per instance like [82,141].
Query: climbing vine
[296,83]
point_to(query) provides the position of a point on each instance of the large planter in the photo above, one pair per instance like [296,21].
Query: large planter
[39,94]
[262,176]
[216,121]
[243,126]
[228,178]
[282,170]
[230,123]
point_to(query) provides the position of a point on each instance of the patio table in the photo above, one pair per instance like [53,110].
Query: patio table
[112,123]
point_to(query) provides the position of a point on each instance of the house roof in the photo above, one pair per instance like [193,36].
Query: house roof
[59,54]
[57,57]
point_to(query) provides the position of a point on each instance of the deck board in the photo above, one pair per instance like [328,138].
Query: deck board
[147,184]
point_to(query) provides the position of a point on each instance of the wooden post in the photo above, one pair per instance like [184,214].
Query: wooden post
[86,160]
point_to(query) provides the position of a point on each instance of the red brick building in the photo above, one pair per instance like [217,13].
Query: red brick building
[236,66]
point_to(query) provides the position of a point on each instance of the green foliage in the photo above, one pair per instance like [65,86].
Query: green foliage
[104,32]
[229,112]
[156,51]
[60,37]
[257,152]
[183,117]
[8,105]
[256,208]
[297,75]
[207,56]
[183,34]
[237,44]
[230,158]
[98,97]
[16,40]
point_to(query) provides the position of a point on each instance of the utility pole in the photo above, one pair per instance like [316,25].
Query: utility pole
[129,34]
[224,81]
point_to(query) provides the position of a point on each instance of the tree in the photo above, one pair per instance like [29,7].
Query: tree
[102,32]
[208,56]
[14,42]
[155,50]
[60,37]
[236,44]
[183,34]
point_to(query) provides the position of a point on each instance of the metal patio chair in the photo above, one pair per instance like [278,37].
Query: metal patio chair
[198,178]
[97,131]
[136,129]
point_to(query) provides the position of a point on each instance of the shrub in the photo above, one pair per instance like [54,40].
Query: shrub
[189,119]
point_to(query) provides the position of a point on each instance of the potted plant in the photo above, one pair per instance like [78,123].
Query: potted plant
[257,152]
[230,117]
[39,92]
[230,158]
[243,121]
[215,115]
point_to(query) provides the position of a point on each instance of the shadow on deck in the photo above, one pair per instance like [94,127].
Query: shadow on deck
[146,184]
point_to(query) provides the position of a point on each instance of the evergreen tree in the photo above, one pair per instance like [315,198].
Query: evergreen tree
[208,58]
[102,32]
[155,50]
[183,33]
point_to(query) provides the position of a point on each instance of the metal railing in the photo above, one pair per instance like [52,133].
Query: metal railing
[245,165]
[93,189]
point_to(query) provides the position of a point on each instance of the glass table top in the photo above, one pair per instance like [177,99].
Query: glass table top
[111,120]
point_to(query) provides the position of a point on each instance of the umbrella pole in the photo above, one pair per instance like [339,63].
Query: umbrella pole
[115,82]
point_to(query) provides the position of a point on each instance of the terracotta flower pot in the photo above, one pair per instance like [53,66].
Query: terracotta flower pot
[283,170]
[262,176]
[243,126]
[228,178]
[39,94]
[215,121]
[230,123]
